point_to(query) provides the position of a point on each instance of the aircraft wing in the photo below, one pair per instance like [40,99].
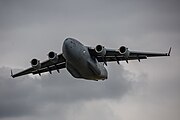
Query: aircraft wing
[46,66]
[121,54]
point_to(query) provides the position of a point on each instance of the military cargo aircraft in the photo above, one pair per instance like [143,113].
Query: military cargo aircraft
[83,61]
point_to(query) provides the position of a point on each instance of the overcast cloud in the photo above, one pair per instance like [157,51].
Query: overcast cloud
[135,91]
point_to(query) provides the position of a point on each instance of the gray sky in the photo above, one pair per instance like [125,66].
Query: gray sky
[147,90]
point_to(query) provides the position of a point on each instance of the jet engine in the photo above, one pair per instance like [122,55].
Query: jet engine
[124,51]
[53,57]
[100,50]
[35,64]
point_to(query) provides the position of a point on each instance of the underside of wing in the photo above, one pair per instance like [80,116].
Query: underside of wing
[55,62]
[50,68]
[119,58]
[122,54]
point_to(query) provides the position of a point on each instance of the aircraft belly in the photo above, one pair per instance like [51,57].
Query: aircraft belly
[84,67]
[73,71]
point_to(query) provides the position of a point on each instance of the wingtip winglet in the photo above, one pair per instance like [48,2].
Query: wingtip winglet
[12,74]
[169,52]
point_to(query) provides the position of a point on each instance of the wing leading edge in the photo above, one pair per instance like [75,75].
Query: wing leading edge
[46,66]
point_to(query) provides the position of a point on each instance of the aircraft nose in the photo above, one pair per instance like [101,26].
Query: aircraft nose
[66,43]
[67,46]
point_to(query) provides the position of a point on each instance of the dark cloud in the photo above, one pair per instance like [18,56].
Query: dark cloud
[26,96]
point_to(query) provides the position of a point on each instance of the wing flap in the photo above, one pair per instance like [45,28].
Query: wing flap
[148,54]
[50,68]
[119,58]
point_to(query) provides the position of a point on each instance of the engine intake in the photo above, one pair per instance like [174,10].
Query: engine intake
[35,64]
[100,50]
[53,57]
[124,50]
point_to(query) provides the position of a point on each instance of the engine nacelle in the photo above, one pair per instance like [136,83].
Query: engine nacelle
[53,57]
[100,50]
[35,64]
[124,50]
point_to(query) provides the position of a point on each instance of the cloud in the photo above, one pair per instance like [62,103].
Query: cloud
[156,100]
[26,96]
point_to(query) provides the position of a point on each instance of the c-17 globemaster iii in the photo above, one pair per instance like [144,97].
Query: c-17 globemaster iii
[83,61]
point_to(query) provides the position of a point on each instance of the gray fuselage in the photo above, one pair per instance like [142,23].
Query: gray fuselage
[80,63]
